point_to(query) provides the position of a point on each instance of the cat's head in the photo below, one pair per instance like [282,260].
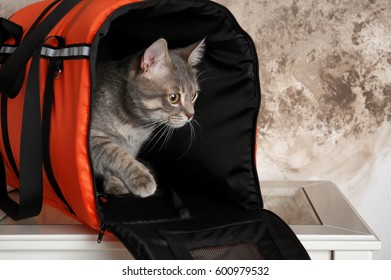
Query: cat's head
[167,81]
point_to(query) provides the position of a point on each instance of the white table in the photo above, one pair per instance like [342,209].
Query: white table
[324,221]
[318,213]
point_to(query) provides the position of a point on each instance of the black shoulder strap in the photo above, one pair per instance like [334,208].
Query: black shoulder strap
[16,63]
[30,179]
[10,29]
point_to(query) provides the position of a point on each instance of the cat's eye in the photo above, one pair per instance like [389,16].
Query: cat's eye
[174,98]
[194,96]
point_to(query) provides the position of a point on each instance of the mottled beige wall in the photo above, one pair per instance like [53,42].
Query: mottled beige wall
[8,7]
[326,97]
[326,85]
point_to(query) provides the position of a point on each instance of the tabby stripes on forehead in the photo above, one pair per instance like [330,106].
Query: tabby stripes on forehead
[153,104]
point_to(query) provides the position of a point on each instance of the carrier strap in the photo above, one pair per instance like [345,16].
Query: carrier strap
[12,72]
[4,131]
[11,80]
[30,179]
[10,29]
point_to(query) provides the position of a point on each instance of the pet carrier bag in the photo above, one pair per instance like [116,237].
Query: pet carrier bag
[208,204]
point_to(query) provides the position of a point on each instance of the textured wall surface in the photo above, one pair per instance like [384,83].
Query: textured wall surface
[8,7]
[326,89]
[326,96]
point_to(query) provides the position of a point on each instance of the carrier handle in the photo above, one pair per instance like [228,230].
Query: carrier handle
[31,177]
[31,144]
[10,29]
[12,71]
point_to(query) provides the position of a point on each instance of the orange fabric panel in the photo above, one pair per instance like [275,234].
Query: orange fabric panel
[84,21]
[69,138]
[70,112]
[80,25]
[27,15]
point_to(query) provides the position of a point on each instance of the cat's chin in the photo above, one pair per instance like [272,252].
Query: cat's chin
[177,124]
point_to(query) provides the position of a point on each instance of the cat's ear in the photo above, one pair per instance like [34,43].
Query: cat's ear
[154,55]
[194,52]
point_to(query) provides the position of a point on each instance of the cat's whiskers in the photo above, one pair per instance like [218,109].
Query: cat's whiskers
[169,131]
[153,125]
[192,136]
[200,74]
[161,128]
[198,124]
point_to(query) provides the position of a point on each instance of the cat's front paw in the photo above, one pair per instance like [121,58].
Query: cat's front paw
[144,185]
[113,185]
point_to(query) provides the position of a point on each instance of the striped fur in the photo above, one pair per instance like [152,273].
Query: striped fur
[152,90]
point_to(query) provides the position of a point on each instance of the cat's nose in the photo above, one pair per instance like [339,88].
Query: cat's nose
[189,116]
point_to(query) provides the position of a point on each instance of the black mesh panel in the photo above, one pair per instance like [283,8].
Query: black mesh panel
[245,251]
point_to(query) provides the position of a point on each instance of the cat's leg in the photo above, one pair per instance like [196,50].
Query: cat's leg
[122,172]
[139,179]
[113,185]
[129,175]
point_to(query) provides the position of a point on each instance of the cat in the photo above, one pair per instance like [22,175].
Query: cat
[132,97]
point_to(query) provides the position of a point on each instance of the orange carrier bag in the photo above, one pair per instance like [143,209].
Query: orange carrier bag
[208,204]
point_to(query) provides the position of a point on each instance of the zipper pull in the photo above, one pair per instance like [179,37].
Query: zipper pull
[58,71]
[102,197]
[102,231]
[58,74]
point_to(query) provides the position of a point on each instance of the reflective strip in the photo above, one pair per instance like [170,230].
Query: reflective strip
[7,49]
[66,52]
[76,51]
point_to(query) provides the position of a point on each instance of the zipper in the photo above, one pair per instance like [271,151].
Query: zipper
[102,230]
[103,227]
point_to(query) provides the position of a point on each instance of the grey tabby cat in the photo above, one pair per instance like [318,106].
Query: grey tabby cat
[131,98]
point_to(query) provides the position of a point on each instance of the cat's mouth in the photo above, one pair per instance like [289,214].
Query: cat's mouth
[177,122]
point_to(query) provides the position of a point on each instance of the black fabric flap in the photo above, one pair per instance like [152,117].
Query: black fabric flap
[229,235]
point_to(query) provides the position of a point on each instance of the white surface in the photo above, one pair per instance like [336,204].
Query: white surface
[57,242]
[342,234]
[375,206]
